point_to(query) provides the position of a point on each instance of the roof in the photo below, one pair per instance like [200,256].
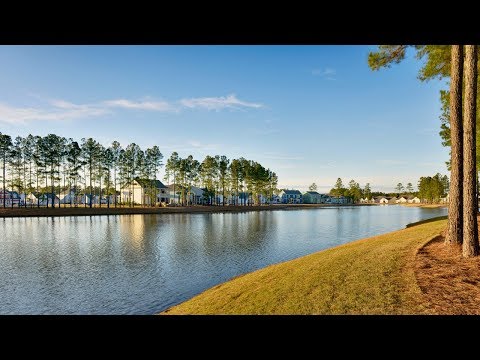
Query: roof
[197,191]
[43,196]
[147,183]
[313,193]
[292,192]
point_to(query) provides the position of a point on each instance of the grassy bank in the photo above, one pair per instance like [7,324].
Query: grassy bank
[83,211]
[370,276]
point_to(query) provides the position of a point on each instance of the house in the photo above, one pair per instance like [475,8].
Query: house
[339,200]
[291,196]
[276,199]
[87,199]
[243,198]
[313,197]
[196,196]
[413,200]
[392,200]
[142,191]
[176,197]
[11,197]
[42,199]
[402,199]
[383,199]
[67,196]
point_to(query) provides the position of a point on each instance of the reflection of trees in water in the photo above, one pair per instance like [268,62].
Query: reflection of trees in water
[213,234]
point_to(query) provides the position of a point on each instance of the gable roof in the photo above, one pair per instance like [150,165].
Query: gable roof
[146,183]
[292,192]
[313,193]
[44,195]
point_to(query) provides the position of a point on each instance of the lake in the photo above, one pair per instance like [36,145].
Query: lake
[143,264]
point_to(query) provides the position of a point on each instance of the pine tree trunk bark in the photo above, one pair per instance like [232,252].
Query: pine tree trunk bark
[455,205]
[470,229]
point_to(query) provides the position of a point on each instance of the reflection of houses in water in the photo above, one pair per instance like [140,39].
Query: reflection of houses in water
[132,229]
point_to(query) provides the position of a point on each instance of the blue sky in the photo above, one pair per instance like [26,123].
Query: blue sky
[310,113]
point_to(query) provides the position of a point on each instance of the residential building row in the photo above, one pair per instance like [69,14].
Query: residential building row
[405,199]
[143,192]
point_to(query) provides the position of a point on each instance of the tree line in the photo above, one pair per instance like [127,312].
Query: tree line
[52,164]
[353,191]
[432,188]
[245,181]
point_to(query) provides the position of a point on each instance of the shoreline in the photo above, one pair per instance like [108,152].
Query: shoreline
[374,275]
[426,206]
[103,211]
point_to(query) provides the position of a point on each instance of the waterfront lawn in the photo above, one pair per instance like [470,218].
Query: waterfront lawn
[369,276]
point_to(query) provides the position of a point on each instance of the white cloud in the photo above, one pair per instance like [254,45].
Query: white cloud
[21,115]
[327,73]
[58,109]
[140,105]
[218,103]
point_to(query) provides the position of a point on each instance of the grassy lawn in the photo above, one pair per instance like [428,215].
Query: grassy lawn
[369,276]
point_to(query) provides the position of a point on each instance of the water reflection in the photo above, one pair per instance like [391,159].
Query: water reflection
[143,264]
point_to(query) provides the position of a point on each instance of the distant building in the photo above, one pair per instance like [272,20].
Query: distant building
[313,197]
[291,196]
[402,199]
[339,200]
[392,200]
[383,199]
[36,198]
[413,200]
[141,191]
[11,197]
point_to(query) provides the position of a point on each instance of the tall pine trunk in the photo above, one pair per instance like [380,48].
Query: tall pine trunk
[455,205]
[4,166]
[470,228]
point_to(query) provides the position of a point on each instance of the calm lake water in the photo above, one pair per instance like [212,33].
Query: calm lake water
[143,264]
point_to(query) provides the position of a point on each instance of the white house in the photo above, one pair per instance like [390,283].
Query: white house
[413,200]
[402,200]
[67,197]
[35,198]
[141,191]
[196,196]
[383,200]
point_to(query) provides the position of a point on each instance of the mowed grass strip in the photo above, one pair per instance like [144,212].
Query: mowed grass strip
[369,276]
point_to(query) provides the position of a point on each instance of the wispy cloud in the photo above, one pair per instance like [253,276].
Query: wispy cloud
[219,103]
[327,73]
[59,109]
[140,105]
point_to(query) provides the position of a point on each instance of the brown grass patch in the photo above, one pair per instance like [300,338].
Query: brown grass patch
[450,284]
